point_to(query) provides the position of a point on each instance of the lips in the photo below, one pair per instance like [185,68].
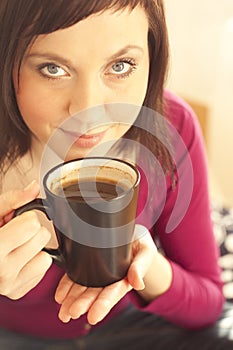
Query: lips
[85,140]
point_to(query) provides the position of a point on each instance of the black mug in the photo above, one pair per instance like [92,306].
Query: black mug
[92,202]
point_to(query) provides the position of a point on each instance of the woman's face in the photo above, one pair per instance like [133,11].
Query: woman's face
[101,60]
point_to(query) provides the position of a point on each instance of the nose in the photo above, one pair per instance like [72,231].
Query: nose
[87,105]
[85,94]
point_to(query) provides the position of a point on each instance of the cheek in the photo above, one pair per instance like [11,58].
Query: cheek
[30,108]
[136,92]
[133,93]
[35,116]
[35,107]
[139,93]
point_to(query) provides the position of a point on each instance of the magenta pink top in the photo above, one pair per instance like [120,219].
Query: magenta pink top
[179,220]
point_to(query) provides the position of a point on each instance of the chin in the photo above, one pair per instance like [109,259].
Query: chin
[72,154]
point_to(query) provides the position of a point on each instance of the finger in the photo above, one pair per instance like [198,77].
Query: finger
[63,289]
[108,298]
[24,288]
[18,231]
[75,291]
[146,250]
[12,200]
[140,231]
[5,219]
[31,274]
[29,250]
[135,277]
[82,305]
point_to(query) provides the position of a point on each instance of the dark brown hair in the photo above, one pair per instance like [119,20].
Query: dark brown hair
[22,20]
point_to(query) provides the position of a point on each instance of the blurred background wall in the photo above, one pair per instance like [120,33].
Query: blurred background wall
[201,70]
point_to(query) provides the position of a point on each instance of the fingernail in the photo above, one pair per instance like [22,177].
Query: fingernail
[141,283]
[65,318]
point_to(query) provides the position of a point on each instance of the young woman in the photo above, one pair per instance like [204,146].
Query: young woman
[59,58]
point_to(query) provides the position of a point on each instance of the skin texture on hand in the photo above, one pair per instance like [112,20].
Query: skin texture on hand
[25,248]
[22,263]
[77,300]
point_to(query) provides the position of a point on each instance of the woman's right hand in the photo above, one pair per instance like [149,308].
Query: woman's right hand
[22,263]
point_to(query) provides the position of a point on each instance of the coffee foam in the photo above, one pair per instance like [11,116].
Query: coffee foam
[111,171]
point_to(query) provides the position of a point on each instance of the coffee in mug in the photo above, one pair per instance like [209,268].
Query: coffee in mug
[92,203]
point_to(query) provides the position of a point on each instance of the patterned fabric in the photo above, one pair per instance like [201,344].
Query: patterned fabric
[223,229]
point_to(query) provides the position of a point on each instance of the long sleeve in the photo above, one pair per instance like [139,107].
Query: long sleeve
[195,297]
[179,221]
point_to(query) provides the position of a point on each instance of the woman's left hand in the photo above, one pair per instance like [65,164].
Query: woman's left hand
[77,300]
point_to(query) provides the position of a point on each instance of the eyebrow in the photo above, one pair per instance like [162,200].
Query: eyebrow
[125,50]
[68,63]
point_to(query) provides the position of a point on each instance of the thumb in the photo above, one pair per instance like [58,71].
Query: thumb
[14,199]
[145,251]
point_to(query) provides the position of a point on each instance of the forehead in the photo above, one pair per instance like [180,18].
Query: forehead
[99,32]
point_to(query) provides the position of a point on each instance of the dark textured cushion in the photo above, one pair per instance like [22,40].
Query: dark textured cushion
[223,228]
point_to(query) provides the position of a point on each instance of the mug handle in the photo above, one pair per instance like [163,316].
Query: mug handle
[39,204]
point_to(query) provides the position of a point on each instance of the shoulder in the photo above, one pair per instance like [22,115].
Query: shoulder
[182,117]
[176,108]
